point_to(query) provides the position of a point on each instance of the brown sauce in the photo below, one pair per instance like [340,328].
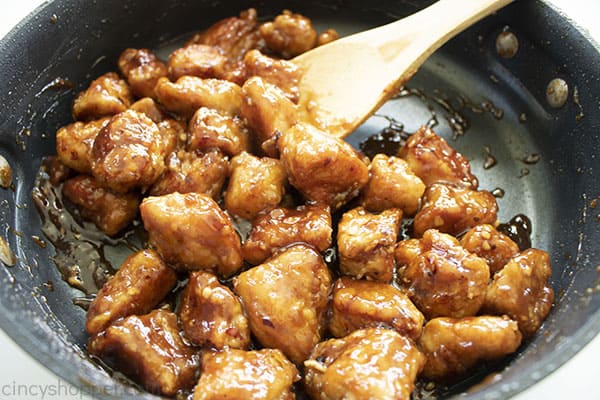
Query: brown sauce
[519,230]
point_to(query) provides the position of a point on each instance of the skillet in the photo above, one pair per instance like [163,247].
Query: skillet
[77,40]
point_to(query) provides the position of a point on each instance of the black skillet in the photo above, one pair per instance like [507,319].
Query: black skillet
[73,41]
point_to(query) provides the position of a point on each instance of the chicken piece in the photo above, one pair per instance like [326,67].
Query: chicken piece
[392,185]
[74,143]
[289,34]
[129,152]
[56,170]
[193,172]
[322,167]
[454,209]
[196,60]
[211,129]
[327,36]
[366,243]
[494,247]
[142,69]
[286,299]
[191,232]
[142,281]
[281,227]
[522,290]
[234,36]
[110,212]
[250,375]
[255,185]
[150,351]
[107,95]
[211,315]
[190,93]
[454,347]
[369,363]
[358,304]
[432,159]
[440,277]
[281,73]
[173,133]
[267,110]
[148,106]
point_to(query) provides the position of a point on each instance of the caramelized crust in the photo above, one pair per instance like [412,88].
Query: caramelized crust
[289,34]
[254,375]
[142,281]
[212,129]
[107,95]
[433,160]
[196,60]
[211,315]
[358,304]
[191,232]
[280,227]
[494,247]
[281,73]
[74,143]
[454,347]
[142,69]
[285,300]
[370,363]
[149,350]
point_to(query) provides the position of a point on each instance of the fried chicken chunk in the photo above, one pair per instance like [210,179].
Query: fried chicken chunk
[196,60]
[191,232]
[74,143]
[254,375]
[289,34]
[286,299]
[149,350]
[454,346]
[372,363]
[255,185]
[110,212]
[280,227]
[281,73]
[392,185]
[432,159]
[193,172]
[366,243]
[358,304]
[107,95]
[142,69]
[142,281]
[522,291]
[148,106]
[453,209]
[440,277]
[322,167]
[212,129]
[211,315]
[129,152]
[494,247]
[189,93]
[267,110]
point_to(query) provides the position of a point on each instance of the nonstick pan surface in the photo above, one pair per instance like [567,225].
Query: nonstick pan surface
[499,103]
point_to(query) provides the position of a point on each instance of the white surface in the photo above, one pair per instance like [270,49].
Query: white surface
[21,377]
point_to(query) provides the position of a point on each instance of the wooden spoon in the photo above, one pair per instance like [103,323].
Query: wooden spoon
[345,81]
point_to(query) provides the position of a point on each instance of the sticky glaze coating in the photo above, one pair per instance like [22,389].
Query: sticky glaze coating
[286,299]
[454,346]
[142,69]
[289,34]
[432,159]
[211,315]
[142,281]
[366,243]
[281,227]
[323,168]
[521,290]
[191,232]
[454,209]
[367,364]
[74,143]
[111,212]
[440,277]
[255,185]
[149,349]
[209,129]
[358,304]
[281,73]
[236,374]
[493,246]
[107,95]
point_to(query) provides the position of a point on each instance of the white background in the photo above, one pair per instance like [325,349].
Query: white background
[577,379]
